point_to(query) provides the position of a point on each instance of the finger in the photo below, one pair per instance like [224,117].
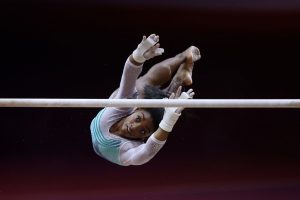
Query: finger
[144,38]
[155,47]
[156,38]
[159,51]
[178,92]
[192,94]
[189,91]
[172,96]
[152,36]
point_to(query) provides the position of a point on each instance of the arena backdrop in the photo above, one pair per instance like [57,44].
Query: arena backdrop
[77,49]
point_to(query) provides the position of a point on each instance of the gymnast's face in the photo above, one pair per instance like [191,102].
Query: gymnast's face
[138,125]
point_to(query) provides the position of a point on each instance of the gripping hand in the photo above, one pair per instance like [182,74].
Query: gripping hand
[148,48]
[172,114]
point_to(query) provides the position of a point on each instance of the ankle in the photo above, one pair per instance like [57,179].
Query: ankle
[182,56]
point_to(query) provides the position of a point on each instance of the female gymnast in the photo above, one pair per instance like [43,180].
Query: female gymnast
[133,136]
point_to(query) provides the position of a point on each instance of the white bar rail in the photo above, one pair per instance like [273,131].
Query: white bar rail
[187,103]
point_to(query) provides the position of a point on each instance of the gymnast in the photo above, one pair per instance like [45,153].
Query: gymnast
[133,136]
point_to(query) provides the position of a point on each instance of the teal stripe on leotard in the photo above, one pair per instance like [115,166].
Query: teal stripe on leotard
[107,148]
[99,135]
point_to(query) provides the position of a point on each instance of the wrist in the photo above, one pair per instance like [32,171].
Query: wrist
[133,61]
[138,56]
[169,120]
[144,46]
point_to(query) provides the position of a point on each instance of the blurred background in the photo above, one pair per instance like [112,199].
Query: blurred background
[77,49]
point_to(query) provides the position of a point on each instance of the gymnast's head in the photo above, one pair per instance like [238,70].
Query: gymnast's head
[141,123]
[144,121]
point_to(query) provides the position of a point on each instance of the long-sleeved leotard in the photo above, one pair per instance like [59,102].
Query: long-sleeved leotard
[112,147]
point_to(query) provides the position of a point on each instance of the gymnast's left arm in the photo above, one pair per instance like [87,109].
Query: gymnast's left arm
[147,49]
[143,153]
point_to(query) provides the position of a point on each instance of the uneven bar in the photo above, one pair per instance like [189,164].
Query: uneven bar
[187,103]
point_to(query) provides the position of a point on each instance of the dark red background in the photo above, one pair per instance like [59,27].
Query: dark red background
[77,50]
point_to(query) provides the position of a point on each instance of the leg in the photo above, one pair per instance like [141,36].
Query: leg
[183,76]
[162,72]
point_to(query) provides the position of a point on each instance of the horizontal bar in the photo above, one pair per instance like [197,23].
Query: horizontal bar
[187,103]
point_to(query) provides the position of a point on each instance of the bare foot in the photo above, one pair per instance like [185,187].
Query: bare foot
[183,76]
[184,73]
[192,54]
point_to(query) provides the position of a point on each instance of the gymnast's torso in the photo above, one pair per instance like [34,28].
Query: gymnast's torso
[112,147]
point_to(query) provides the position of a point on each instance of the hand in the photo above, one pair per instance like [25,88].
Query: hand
[153,37]
[155,50]
[172,114]
[182,95]
[147,49]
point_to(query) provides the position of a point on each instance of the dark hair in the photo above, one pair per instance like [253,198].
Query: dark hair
[152,92]
[156,115]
